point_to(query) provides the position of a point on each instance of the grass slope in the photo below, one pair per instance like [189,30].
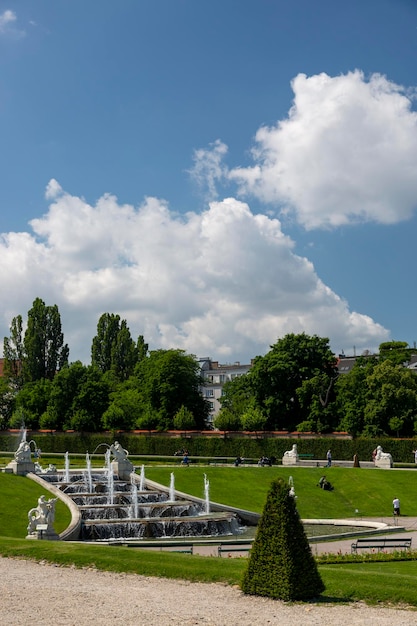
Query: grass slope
[370,492]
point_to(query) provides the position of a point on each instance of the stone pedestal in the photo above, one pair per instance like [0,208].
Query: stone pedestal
[21,468]
[290,460]
[47,535]
[384,463]
[122,468]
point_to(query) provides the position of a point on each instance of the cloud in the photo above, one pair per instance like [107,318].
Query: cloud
[223,283]
[7,18]
[346,153]
[208,169]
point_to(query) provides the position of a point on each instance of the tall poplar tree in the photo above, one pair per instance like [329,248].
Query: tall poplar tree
[44,349]
[113,348]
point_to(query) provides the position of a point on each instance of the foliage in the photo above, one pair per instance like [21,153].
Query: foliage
[113,348]
[276,377]
[168,380]
[253,419]
[184,419]
[226,420]
[44,349]
[281,564]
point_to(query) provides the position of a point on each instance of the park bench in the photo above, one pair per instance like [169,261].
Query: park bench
[224,549]
[381,543]
[306,456]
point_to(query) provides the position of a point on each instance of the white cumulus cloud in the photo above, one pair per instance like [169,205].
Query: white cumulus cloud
[224,283]
[346,153]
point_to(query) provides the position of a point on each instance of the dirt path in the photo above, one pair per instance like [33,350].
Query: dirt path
[53,596]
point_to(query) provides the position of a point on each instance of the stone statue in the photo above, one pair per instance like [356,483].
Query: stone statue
[44,513]
[290,456]
[382,459]
[23,454]
[119,453]
[293,452]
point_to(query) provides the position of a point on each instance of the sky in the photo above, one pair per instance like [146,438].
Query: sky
[219,174]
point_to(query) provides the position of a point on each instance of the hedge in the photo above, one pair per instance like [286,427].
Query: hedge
[209,446]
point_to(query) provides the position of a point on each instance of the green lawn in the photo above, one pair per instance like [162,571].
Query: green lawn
[369,491]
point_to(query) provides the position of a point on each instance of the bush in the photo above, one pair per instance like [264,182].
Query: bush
[281,565]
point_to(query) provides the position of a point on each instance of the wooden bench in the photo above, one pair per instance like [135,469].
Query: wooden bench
[224,549]
[306,456]
[381,543]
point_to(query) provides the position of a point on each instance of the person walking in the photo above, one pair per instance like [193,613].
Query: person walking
[329,458]
[396,506]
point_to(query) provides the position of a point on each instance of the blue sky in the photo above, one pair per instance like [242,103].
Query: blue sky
[218,173]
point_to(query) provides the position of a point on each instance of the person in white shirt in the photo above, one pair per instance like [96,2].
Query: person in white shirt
[396,505]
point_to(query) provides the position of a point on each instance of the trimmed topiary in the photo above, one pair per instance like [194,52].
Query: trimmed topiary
[281,564]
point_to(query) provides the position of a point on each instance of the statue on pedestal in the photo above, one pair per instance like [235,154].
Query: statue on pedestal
[290,456]
[42,515]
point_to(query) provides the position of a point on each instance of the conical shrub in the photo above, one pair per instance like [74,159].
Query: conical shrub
[281,564]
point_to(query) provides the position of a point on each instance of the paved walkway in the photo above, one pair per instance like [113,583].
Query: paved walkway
[344,545]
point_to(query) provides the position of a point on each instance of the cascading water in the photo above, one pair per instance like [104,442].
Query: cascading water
[113,508]
[110,477]
[142,479]
[207,494]
[135,506]
[172,488]
[66,470]
[88,477]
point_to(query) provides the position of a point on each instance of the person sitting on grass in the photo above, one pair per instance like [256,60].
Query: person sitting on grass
[324,484]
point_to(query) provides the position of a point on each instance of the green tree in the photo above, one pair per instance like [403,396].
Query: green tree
[91,402]
[391,392]
[253,420]
[32,401]
[227,421]
[237,395]
[113,348]
[276,377]
[352,395]
[13,353]
[280,564]
[184,419]
[43,344]
[124,410]
[7,403]
[397,352]
[64,389]
[167,380]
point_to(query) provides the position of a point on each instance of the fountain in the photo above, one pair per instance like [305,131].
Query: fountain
[67,474]
[88,476]
[113,508]
[172,488]
[135,506]
[207,493]
[142,478]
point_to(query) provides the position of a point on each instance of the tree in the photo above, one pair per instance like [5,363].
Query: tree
[276,377]
[391,392]
[227,421]
[352,395]
[237,395]
[44,350]
[113,348]
[64,389]
[280,564]
[124,410]
[253,419]
[184,419]
[397,352]
[32,400]
[167,380]
[13,352]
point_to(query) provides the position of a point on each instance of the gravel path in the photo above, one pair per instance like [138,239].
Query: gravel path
[53,596]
